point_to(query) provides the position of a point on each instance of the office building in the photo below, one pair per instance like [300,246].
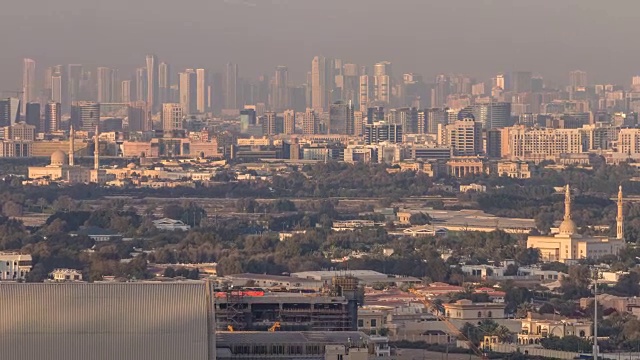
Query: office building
[28,83]
[57,87]
[441,91]
[125,92]
[20,131]
[430,119]
[521,81]
[33,116]
[202,90]
[153,321]
[152,83]
[105,85]
[74,75]
[322,83]
[382,132]
[493,115]
[137,116]
[141,84]
[341,118]
[280,89]
[9,111]
[172,116]
[85,115]
[577,79]
[52,117]
[366,93]
[536,144]
[188,91]
[464,137]
[310,122]
[164,83]
[248,118]
[289,122]
[382,82]
[231,87]
[407,117]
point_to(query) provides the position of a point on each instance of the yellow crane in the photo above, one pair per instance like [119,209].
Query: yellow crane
[431,307]
[275,326]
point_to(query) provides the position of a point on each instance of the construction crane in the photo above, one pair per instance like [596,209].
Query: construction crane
[230,328]
[431,307]
[275,326]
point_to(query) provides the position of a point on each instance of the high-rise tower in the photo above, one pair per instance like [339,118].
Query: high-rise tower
[201,90]
[231,87]
[152,83]
[322,83]
[72,146]
[280,89]
[28,83]
[619,218]
[164,83]
[105,85]
[96,150]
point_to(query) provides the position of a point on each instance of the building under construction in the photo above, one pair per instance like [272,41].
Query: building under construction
[333,310]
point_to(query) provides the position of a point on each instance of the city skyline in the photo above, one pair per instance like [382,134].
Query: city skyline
[499,43]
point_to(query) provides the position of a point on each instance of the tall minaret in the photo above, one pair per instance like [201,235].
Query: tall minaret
[567,203]
[72,145]
[620,219]
[96,151]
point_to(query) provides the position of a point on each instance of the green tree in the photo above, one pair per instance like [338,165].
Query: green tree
[420,219]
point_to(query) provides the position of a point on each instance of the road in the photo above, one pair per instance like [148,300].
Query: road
[417,354]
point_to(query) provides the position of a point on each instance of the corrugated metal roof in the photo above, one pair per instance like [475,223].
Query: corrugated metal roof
[105,321]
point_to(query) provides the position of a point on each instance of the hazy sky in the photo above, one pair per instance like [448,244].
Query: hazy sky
[477,37]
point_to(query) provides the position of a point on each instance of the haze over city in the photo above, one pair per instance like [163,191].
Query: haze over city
[478,38]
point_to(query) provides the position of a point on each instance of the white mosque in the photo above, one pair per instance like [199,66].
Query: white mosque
[568,245]
[62,167]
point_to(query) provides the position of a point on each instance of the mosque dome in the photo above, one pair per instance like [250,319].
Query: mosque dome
[58,158]
[568,227]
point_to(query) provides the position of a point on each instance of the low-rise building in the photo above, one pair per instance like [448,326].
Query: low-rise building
[468,310]
[537,327]
[66,275]
[170,225]
[14,266]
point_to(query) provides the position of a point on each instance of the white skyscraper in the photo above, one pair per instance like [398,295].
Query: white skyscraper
[28,83]
[188,91]
[201,90]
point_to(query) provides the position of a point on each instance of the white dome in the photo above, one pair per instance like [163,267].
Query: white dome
[58,158]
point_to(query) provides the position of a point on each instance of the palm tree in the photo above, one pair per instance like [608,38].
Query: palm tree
[524,309]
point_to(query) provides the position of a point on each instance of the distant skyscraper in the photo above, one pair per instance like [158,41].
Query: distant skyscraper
[578,79]
[464,137]
[382,80]
[322,83]
[231,87]
[202,90]
[521,81]
[280,89]
[172,116]
[125,92]
[32,116]
[9,111]
[152,83]
[366,91]
[141,84]
[164,82]
[56,87]
[85,115]
[28,83]
[74,79]
[52,117]
[105,85]
[188,91]
[441,91]
[495,115]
